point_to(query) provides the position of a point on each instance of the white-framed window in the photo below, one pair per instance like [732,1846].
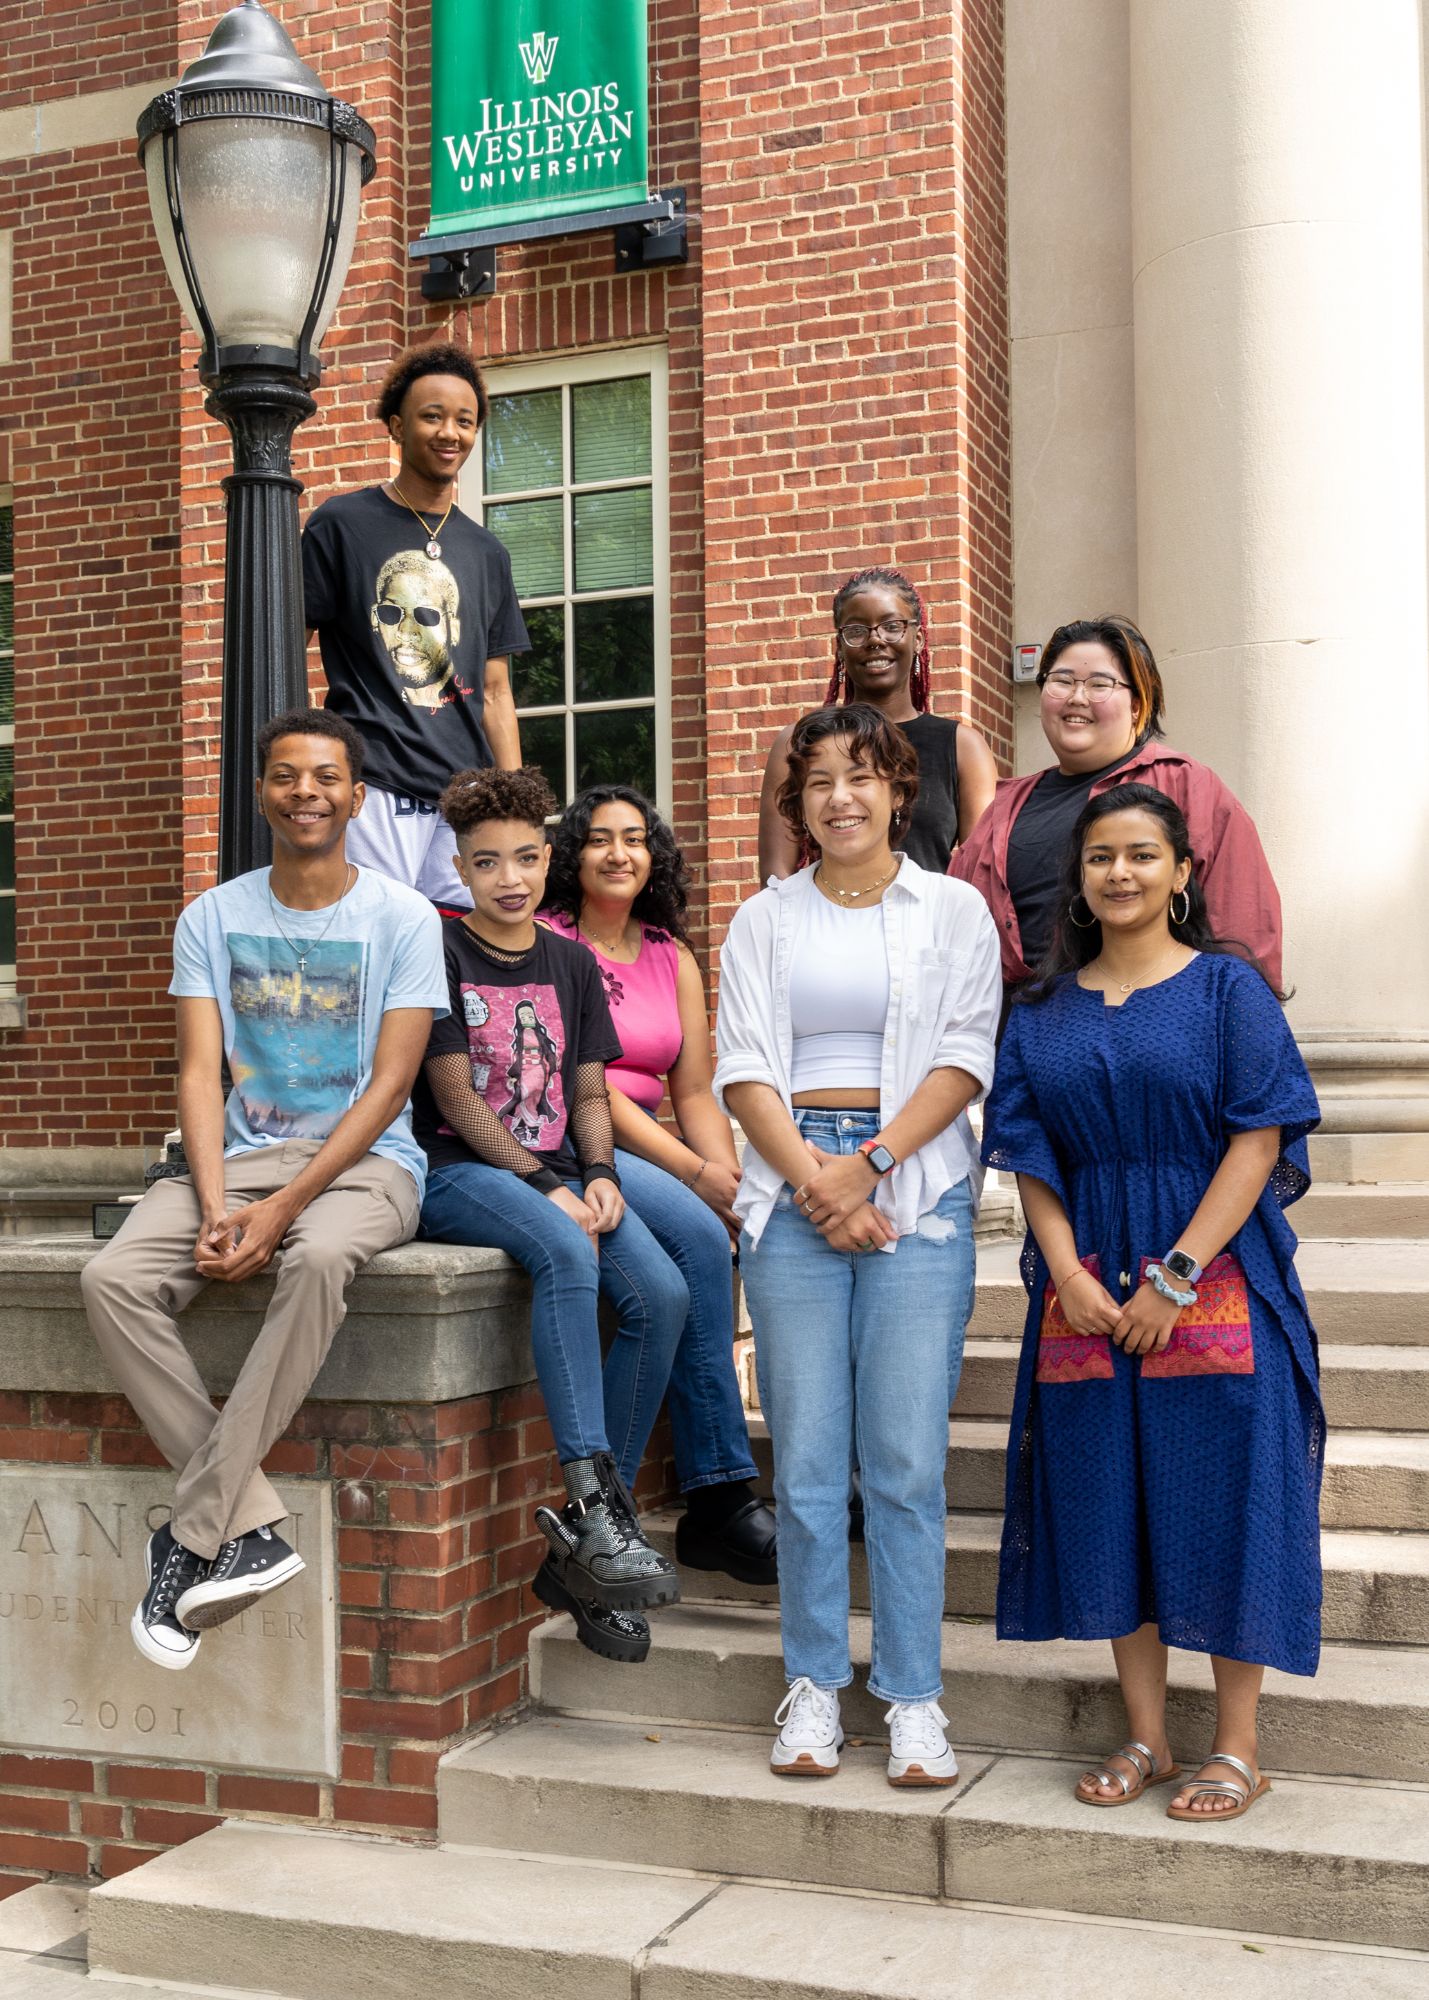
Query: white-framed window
[573,475]
[7,741]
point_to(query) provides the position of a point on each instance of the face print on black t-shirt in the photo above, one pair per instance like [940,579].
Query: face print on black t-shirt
[406,635]
[417,616]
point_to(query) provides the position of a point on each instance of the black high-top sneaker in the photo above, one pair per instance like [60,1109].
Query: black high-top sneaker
[597,1549]
[170,1569]
[242,1571]
[615,1635]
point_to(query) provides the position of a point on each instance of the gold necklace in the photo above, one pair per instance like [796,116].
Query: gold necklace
[434,547]
[601,944]
[1135,985]
[849,895]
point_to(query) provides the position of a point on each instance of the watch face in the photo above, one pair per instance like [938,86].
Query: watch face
[1179,1264]
[882,1159]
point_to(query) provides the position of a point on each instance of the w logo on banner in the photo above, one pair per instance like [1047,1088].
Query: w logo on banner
[538,55]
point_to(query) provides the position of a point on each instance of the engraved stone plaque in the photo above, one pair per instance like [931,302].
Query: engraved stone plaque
[262,1694]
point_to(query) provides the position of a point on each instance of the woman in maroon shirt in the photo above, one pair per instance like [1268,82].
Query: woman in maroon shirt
[1101,714]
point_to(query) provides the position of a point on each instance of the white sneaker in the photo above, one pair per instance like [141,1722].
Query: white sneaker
[918,1752]
[810,1738]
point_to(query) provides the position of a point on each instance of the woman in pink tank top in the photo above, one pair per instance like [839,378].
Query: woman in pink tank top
[618,885]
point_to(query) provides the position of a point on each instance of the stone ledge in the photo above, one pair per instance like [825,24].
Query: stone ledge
[429,1323]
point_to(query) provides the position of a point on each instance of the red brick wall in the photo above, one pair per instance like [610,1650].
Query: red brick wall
[435,1553]
[87,413]
[53,50]
[838,395]
[855,368]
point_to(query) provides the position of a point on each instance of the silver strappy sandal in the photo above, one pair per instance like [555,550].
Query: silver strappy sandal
[1142,1762]
[1225,1788]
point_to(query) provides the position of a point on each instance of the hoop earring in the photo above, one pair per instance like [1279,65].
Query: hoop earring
[1091,921]
[1180,922]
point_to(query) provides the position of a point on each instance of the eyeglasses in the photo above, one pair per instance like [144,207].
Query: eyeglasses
[393,614]
[891,629]
[1099,687]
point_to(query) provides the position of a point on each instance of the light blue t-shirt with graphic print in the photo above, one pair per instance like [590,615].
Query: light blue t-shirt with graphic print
[302,1011]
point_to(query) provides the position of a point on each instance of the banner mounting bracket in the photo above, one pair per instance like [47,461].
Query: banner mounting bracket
[661,240]
[461,274]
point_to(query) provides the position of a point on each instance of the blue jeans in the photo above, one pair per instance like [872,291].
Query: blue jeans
[590,1409]
[855,1352]
[706,1414]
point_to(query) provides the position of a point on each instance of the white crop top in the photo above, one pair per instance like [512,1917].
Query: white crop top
[838,997]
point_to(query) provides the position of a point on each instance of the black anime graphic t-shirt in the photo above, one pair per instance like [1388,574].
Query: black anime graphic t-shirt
[405,636]
[524,1029]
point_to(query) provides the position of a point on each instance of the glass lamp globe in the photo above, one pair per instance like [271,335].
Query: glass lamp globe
[255,173]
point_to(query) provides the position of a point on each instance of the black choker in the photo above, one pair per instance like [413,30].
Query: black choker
[496,951]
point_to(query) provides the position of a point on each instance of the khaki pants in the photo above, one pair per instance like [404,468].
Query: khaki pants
[146,1274]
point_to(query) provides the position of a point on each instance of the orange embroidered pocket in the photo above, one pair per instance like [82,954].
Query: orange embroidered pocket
[1212,1337]
[1065,1356]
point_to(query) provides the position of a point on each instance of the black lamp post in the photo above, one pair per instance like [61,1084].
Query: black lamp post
[255,174]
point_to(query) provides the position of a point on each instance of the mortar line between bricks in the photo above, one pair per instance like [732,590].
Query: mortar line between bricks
[641,1958]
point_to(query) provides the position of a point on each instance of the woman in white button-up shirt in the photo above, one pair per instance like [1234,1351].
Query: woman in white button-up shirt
[859,1001]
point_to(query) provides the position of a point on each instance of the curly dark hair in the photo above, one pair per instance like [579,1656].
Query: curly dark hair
[311,722]
[475,796]
[872,739]
[662,903]
[840,688]
[441,358]
[1076,943]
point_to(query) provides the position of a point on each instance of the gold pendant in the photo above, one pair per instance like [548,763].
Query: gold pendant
[434,549]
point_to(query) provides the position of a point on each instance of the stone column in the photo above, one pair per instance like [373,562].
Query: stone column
[1278,296]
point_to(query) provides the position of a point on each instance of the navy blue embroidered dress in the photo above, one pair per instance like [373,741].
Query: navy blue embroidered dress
[1190,1498]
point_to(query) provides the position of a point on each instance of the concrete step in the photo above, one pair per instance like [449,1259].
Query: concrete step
[696,1798]
[1374,1291]
[1342,1861]
[314,1915]
[1376,1585]
[1364,1388]
[1365,1714]
[1373,1479]
[1346,1208]
[379,1921]
[1323,1860]
[780,1944]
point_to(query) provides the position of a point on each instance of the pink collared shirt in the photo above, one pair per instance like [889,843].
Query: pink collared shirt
[1242,900]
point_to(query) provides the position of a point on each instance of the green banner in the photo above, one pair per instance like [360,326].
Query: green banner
[539,108]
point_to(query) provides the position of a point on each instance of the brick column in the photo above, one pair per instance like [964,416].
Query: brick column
[855,360]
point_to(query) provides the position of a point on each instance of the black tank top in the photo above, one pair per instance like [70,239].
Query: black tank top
[933,833]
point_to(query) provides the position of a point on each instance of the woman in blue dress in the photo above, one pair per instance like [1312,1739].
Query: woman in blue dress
[1167,1434]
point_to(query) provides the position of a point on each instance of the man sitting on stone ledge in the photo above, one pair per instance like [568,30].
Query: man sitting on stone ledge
[318,981]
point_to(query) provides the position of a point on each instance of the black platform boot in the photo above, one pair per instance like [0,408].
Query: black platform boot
[615,1635]
[598,1552]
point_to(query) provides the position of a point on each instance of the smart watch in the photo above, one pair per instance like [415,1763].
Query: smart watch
[878,1157]
[1180,1264]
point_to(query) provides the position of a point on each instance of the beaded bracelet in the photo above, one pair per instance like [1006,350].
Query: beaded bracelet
[692,1180]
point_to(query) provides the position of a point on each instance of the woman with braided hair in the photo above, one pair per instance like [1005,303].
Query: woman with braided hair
[881,656]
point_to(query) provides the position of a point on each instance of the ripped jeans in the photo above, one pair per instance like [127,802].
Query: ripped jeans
[860,1350]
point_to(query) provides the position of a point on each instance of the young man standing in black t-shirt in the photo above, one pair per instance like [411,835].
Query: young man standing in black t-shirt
[416,616]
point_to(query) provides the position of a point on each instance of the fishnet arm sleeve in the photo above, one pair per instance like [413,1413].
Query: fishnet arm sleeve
[591,1130]
[474,1121]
